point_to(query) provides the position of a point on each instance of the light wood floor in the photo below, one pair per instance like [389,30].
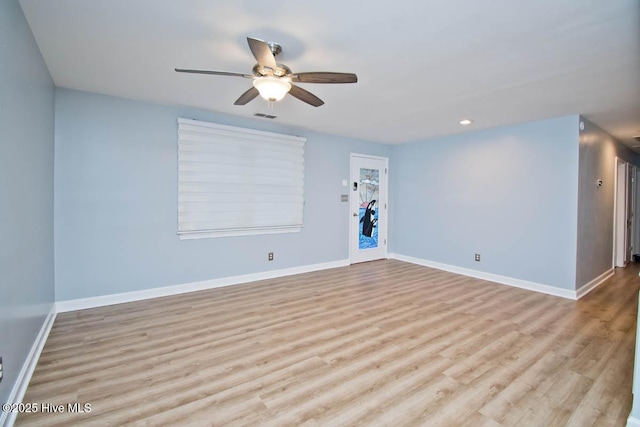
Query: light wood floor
[384,343]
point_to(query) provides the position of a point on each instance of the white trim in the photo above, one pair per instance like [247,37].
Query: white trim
[505,280]
[20,387]
[633,422]
[100,301]
[367,156]
[585,289]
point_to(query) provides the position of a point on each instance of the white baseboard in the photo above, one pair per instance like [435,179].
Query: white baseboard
[84,303]
[633,422]
[24,376]
[585,289]
[505,280]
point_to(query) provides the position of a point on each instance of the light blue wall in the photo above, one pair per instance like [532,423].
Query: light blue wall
[26,192]
[598,151]
[508,193]
[116,192]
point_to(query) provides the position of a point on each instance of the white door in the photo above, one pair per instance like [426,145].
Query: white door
[368,202]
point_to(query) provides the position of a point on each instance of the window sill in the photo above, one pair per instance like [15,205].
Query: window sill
[190,235]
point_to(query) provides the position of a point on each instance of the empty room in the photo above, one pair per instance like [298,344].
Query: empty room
[321,214]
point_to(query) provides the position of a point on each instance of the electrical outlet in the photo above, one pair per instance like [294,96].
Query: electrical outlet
[270,256]
[478,257]
[1,369]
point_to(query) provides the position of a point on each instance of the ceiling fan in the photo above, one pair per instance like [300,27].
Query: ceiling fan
[273,81]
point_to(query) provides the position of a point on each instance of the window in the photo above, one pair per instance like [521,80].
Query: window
[234,181]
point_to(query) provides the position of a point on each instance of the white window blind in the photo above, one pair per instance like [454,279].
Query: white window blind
[234,181]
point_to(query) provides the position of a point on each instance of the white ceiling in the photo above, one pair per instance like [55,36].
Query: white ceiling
[422,65]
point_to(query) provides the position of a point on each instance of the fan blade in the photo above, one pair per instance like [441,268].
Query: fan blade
[262,53]
[247,96]
[305,96]
[217,73]
[324,77]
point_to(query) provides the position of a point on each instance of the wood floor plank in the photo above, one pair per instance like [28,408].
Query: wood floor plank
[380,343]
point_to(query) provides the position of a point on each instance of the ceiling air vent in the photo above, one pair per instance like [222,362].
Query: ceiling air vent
[637,138]
[266,116]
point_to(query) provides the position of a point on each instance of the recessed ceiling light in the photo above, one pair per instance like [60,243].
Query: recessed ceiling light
[465,122]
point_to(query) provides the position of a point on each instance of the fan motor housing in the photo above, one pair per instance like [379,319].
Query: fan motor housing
[281,71]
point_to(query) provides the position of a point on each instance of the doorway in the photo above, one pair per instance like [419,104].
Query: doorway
[368,208]
[630,212]
[623,213]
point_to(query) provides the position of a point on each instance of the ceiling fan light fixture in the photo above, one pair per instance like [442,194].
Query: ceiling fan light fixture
[272,81]
[271,88]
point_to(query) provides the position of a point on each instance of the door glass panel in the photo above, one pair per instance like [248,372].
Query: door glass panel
[369,193]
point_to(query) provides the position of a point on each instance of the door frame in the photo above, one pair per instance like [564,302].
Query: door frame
[386,204]
[631,212]
[636,208]
[620,196]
